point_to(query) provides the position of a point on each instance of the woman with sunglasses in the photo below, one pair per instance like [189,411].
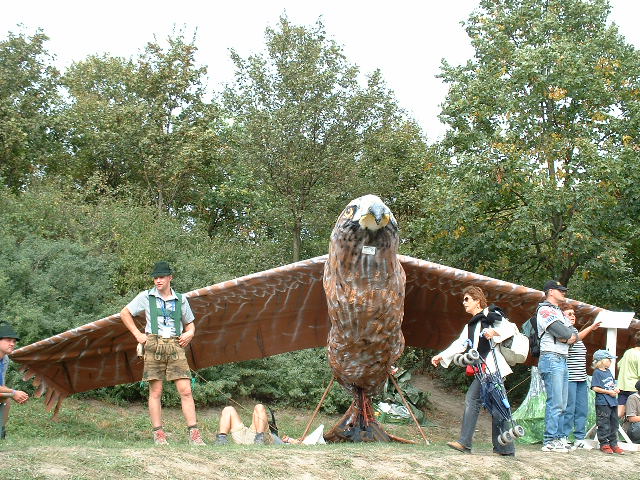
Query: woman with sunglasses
[488,321]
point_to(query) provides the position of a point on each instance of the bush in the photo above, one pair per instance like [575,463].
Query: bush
[268,380]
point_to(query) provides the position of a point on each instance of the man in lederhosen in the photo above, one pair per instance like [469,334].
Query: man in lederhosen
[169,329]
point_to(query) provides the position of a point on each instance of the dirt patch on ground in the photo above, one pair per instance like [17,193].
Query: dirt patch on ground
[376,462]
[68,458]
[448,407]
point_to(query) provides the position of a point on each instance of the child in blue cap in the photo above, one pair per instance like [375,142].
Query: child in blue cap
[604,384]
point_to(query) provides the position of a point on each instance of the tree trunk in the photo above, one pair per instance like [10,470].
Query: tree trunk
[297,241]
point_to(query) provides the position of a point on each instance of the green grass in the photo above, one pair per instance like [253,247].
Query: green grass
[96,440]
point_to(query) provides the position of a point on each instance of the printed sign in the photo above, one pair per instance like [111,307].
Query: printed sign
[368,250]
[611,319]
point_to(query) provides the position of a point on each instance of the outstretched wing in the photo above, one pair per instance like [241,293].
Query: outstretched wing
[271,312]
[259,315]
[434,316]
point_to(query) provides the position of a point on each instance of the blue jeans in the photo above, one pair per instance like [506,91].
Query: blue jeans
[472,406]
[574,419]
[555,375]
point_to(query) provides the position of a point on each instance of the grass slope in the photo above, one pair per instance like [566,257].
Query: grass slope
[96,440]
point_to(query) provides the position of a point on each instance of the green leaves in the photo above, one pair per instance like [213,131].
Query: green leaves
[533,158]
[28,100]
[143,124]
[302,121]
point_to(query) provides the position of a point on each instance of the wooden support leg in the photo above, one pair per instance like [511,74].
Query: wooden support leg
[408,407]
[315,412]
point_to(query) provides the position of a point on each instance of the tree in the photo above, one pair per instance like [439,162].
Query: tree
[534,159]
[301,118]
[144,124]
[28,101]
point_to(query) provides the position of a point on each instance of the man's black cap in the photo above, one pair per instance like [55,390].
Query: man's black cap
[7,331]
[553,285]
[161,269]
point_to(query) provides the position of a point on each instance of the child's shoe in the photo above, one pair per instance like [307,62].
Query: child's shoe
[617,449]
[606,449]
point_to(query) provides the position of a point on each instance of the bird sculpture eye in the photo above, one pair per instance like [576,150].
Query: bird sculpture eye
[349,211]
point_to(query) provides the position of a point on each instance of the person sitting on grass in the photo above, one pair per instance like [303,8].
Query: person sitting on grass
[603,383]
[8,340]
[632,415]
[257,433]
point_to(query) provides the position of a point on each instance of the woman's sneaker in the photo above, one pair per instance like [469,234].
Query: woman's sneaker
[554,446]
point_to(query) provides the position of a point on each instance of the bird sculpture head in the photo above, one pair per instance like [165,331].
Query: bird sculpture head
[367,213]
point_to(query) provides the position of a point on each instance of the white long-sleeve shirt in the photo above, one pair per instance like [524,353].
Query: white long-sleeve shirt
[460,344]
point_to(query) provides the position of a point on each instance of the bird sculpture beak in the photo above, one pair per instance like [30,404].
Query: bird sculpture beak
[378,211]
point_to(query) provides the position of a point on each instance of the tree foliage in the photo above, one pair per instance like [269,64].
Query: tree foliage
[302,116]
[28,100]
[143,124]
[540,121]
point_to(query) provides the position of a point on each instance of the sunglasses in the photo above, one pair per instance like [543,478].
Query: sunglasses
[467,299]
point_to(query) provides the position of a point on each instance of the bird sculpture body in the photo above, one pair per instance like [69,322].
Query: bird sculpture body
[364,283]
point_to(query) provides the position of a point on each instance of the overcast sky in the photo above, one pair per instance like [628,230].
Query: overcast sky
[406,39]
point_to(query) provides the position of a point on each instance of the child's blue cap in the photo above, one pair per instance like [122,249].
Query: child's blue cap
[602,354]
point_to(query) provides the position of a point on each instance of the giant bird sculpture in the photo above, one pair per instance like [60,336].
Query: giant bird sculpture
[285,309]
[364,283]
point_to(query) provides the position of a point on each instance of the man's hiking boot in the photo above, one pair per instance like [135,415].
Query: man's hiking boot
[617,449]
[459,447]
[159,437]
[195,437]
[259,439]
[221,439]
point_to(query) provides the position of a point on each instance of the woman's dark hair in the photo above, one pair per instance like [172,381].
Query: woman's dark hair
[638,386]
[477,294]
[564,306]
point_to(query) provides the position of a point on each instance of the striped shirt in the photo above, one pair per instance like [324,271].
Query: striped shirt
[577,362]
